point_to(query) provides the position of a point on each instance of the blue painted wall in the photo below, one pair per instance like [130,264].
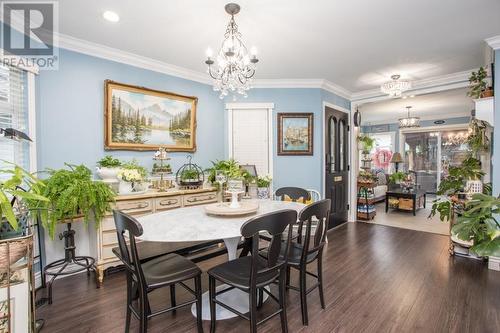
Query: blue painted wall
[70,112]
[496,133]
[301,171]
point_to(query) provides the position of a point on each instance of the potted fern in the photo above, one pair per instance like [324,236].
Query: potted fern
[74,195]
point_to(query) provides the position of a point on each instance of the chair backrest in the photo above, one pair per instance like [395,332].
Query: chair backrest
[294,193]
[315,195]
[275,224]
[316,213]
[126,224]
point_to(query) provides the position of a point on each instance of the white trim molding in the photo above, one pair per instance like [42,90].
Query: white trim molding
[493,42]
[117,55]
[424,86]
[303,83]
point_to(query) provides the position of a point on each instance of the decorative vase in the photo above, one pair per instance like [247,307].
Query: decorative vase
[125,187]
[108,174]
[263,192]
[473,187]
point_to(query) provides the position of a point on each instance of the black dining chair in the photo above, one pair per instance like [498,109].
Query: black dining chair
[167,270]
[308,248]
[253,273]
[296,194]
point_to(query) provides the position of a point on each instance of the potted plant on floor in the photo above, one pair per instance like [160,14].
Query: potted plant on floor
[20,195]
[108,168]
[478,87]
[74,195]
[263,184]
[478,224]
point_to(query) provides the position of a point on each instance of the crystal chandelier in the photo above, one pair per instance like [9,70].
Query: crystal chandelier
[395,87]
[409,122]
[233,67]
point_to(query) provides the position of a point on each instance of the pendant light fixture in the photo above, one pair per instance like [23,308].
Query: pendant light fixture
[409,122]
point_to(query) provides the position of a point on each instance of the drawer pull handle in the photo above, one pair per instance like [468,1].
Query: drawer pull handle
[203,198]
[168,202]
[139,206]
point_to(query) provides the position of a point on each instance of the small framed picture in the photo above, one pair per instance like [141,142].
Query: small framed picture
[295,134]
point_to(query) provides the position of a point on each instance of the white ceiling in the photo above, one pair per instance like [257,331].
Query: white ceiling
[441,105]
[356,44]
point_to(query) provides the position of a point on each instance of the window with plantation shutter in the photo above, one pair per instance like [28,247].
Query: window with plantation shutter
[14,114]
[250,136]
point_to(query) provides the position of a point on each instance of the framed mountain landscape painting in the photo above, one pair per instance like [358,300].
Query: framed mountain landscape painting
[139,118]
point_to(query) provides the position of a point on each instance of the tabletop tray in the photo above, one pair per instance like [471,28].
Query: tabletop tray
[223,209]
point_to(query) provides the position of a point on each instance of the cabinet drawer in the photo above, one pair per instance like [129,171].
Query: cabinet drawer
[108,224]
[168,203]
[200,198]
[135,206]
[107,252]
[109,238]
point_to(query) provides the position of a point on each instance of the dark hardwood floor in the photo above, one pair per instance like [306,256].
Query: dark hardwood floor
[377,279]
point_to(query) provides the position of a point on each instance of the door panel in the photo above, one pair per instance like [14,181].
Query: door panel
[336,165]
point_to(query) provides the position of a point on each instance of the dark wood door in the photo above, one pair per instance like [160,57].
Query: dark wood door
[337,165]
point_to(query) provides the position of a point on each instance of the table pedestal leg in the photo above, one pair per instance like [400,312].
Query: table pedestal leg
[232,247]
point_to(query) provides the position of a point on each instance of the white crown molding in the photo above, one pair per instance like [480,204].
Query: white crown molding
[424,86]
[391,121]
[113,54]
[303,83]
[493,42]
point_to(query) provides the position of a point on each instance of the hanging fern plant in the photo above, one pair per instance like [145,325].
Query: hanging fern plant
[73,194]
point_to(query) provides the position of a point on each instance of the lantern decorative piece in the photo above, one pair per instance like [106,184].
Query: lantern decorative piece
[190,175]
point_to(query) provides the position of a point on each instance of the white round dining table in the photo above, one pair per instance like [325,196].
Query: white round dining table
[193,224]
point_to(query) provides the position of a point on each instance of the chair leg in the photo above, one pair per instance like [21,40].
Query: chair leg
[197,289]
[253,310]
[320,282]
[260,298]
[288,272]
[129,303]
[143,320]
[211,291]
[282,291]
[172,297]
[303,295]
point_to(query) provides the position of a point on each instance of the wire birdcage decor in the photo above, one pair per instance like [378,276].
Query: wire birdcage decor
[190,175]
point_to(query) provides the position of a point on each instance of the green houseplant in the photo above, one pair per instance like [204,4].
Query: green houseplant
[231,169]
[108,168]
[367,143]
[31,199]
[478,224]
[398,177]
[73,194]
[263,184]
[478,86]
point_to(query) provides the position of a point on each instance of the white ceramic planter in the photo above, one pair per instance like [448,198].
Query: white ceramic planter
[108,173]
[125,187]
[494,263]
[263,192]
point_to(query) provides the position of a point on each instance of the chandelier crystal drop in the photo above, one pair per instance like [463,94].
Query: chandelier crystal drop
[233,66]
[409,122]
[396,87]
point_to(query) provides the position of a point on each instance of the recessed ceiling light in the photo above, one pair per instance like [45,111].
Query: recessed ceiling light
[111,16]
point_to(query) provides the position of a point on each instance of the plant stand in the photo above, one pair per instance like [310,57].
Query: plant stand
[71,263]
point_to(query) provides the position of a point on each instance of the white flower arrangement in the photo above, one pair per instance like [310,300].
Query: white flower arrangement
[130,175]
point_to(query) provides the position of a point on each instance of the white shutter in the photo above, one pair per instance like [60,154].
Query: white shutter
[14,114]
[250,138]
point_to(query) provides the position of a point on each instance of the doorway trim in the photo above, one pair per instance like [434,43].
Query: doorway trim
[350,144]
